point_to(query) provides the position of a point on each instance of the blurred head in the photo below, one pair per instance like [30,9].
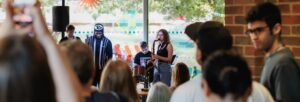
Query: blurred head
[180,74]
[98,30]
[163,35]
[117,77]
[144,46]
[226,77]
[159,92]
[264,25]
[81,58]
[212,36]
[25,75]
[70,30]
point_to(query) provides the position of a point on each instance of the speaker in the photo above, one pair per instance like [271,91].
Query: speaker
[60,18]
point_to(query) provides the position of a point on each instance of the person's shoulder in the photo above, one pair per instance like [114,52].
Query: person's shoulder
[139,54]
[107,39]
[104,37]
[284,56]
[63,39]
[259,93]
[101,97]
[189,92]
[195,82]
[90,38]
[78,38]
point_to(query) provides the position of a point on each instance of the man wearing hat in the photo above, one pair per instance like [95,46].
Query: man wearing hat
[102,49]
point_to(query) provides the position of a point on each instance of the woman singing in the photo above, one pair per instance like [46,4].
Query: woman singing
[163,57]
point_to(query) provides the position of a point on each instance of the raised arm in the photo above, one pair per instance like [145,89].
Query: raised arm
[67,84]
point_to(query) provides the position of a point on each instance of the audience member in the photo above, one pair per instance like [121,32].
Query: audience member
[281,73]
[159,92]
[180,75]
[117,77]
[226,78]
[81,58]
[70,36]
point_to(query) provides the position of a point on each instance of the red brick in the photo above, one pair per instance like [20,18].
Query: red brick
[256,71]
[291,19]
[243,1]
[288,1]
[247,8]
[296,30]
[234,10]
[253,52]
[255,61]
[296,8]
[296,52]
[228,2]
[239,20]
[242,40]
[284,8]
[259,1]
[228,19]
[291,41]
[235,29]
[273,1]
[239,49]
[286,30]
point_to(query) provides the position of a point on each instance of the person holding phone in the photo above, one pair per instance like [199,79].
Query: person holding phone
[65,82]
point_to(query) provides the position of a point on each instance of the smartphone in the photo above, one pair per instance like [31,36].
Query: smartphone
[23,3]
[21,19]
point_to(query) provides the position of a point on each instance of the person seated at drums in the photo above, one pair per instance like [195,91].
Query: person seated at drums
[141,58]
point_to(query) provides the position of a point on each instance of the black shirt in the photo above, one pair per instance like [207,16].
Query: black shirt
[141,57]
[281,76]
[105,97]
[66,38]
[162,50]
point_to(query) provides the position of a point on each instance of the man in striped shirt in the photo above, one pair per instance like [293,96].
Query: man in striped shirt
[102,49]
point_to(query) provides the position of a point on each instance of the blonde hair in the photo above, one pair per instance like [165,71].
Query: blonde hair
[159,92]
[117,77]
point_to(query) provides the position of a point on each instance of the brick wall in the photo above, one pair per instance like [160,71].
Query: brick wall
[235,11]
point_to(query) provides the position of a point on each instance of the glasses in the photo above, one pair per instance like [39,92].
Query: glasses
[256,31]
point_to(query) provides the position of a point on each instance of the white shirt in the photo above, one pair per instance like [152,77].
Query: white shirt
[191,91]
[260,93]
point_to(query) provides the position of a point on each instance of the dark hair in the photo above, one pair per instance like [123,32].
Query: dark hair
[166,35]
[227,73]
[70,27]
[267,12]
[213,36]
[143,44]
[81,58]
[25,73]
[180,74]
